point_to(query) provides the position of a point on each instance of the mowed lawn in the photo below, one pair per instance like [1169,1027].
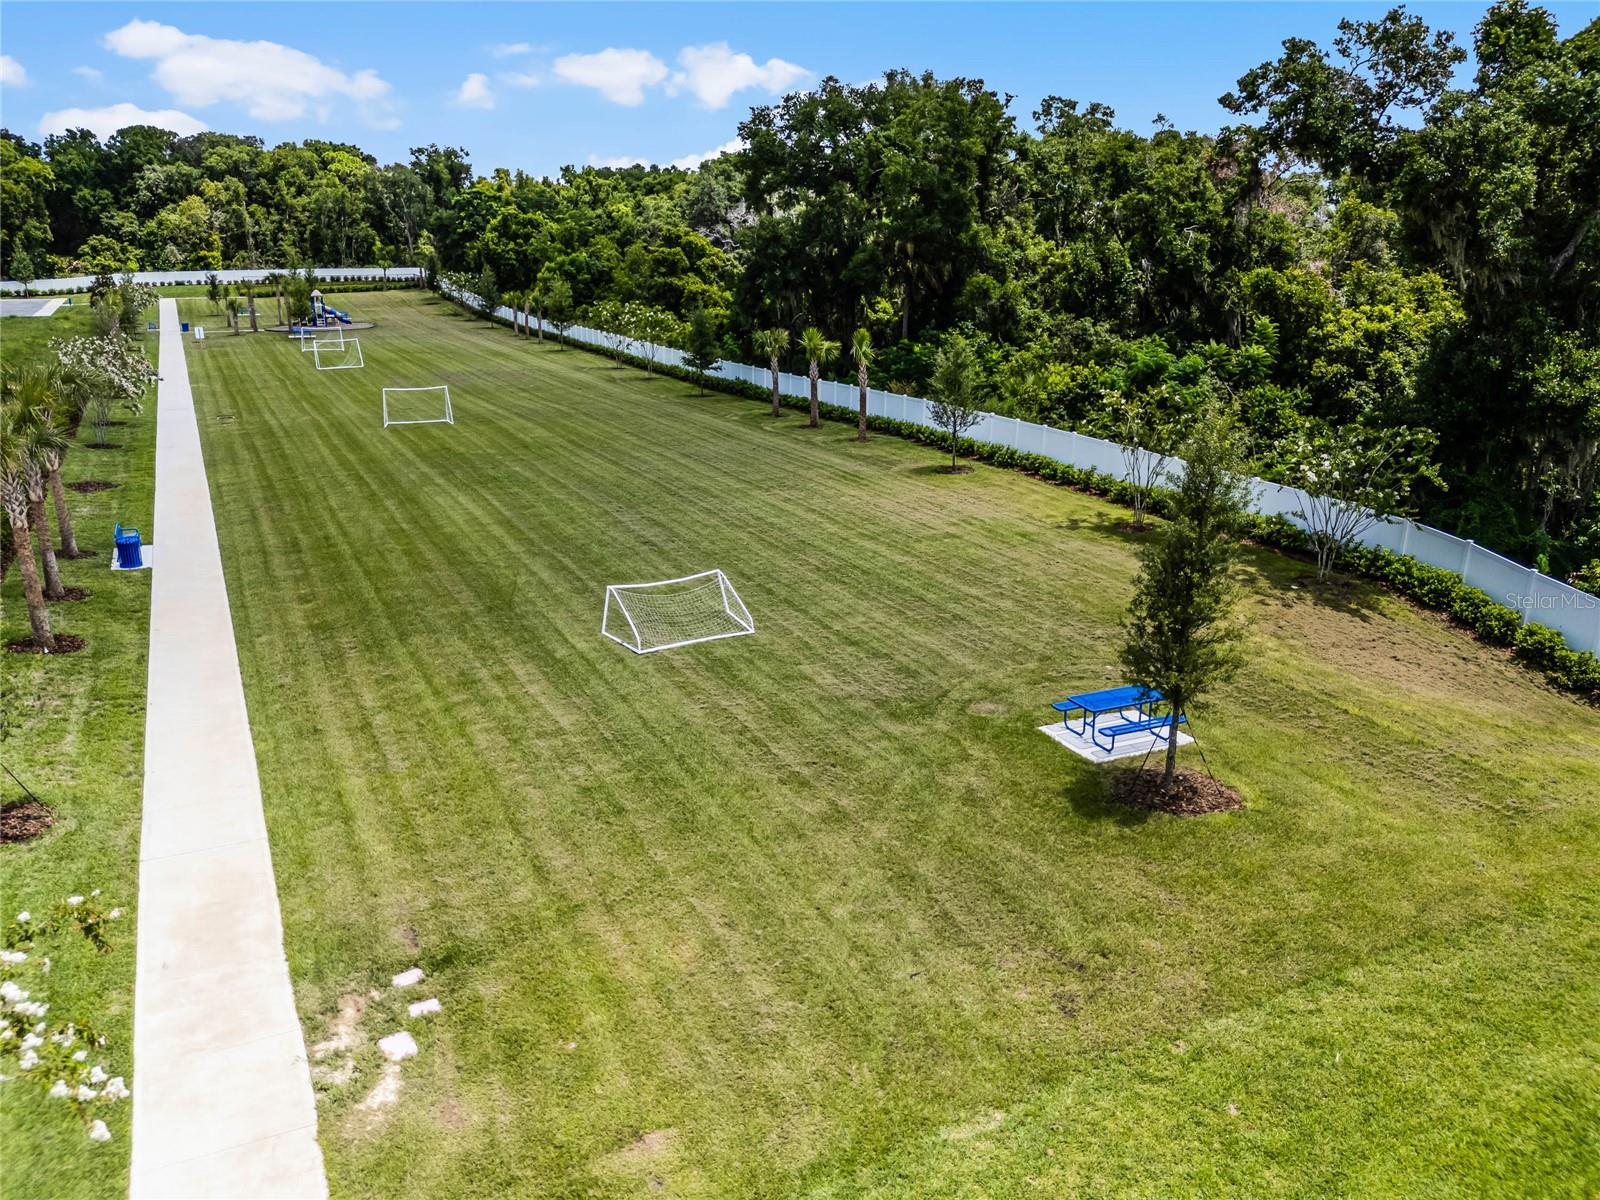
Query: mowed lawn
[72,731]
[819,911]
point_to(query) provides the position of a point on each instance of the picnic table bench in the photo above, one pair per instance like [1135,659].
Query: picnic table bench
[1160,726]
[1091,706]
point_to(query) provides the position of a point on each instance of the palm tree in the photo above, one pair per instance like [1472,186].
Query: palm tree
[770,344]
[70,400]
[231,302]
[16,437]
[33,392]
[33,475]
[819,353]
[276,280]
[861,351]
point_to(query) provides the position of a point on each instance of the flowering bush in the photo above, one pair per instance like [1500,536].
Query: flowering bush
[54,1057]
[105,371]
[1354,476]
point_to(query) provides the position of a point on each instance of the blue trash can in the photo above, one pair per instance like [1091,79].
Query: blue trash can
[185,326]
[129,557]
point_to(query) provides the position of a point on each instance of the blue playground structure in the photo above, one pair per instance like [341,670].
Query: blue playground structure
[323,313]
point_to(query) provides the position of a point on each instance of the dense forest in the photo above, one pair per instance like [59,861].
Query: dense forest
[1382,240]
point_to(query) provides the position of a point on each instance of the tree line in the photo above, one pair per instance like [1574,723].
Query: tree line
[1381,259]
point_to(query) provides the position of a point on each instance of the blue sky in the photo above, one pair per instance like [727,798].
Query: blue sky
[538,86]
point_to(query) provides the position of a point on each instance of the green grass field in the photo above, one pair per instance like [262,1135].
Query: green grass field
[76,732]
[819,912]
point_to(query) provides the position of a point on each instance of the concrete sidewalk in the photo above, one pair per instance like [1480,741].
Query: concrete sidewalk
[222,1099]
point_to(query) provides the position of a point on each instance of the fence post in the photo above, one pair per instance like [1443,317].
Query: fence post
[1405,536]
[1466,558]
[1528,595]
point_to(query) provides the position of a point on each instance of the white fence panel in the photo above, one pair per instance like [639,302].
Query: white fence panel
[82,283]
[1503,579]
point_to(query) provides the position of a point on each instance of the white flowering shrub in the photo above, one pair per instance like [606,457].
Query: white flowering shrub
[106,371]
[1354,475]
[63,1060]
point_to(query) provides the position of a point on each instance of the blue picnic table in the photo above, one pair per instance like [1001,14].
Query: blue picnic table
[1089,707]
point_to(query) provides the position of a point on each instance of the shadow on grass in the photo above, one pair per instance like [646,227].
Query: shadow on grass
[938,468]
[1088,795]
[1288,581]
[1110,525]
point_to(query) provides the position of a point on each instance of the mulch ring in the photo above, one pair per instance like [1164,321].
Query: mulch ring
[24,820]
[71,595]
[1192,794]
[66,643]
[92,485]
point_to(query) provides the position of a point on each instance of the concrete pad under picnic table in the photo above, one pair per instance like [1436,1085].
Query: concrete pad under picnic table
[1129,745]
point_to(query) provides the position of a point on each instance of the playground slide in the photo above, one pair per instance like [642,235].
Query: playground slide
[334,312]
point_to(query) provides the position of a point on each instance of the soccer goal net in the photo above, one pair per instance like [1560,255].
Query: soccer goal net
[646,617]
[340,354]
[313,338]
[417,406]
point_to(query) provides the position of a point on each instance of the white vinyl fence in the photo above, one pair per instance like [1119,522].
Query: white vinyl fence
[82,283]
[1539,598]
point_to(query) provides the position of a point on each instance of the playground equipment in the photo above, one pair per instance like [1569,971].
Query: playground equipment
[323,313]
[323,316]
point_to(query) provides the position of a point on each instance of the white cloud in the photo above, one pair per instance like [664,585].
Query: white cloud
[690,161]
[103,122]
[474,92]
[510,49]
[619,75]
[274,82]
[687,163]
[92,74]
[520,79]
[616,161]
[11,72]
[714,73]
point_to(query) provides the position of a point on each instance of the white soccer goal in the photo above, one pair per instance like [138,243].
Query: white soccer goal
[310,341]
[417,406]
[341,355]
[646,617]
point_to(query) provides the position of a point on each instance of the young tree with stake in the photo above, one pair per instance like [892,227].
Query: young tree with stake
[704,346]
[954,405]
[556,298]
[487,289]
[1179,637]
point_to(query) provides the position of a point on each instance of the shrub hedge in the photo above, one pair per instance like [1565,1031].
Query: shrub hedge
[1432,587]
